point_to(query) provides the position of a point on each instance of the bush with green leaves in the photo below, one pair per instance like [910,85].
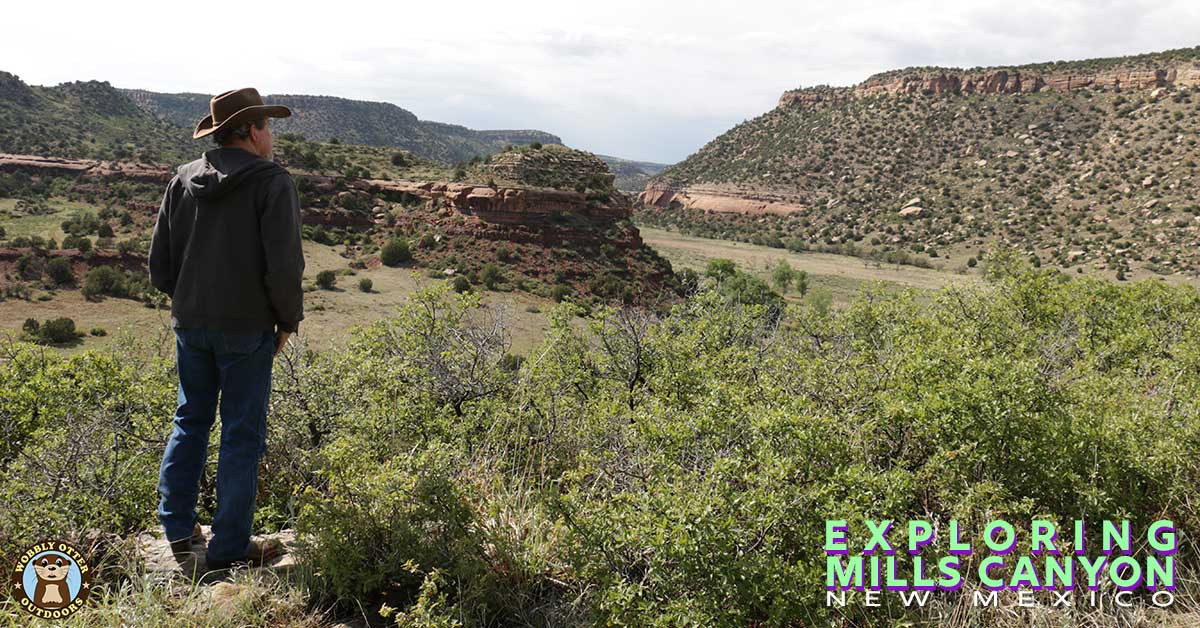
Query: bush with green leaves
[665,469]
[82,439]
[30,266]
[490,276]
[82,223]
[106,281]
[82,243]
[56,331]
[60,270]
[326,279]
[395,252]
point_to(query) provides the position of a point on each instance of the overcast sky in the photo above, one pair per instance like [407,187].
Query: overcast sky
[638,79]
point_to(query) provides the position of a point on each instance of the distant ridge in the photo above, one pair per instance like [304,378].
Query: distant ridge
[321,118]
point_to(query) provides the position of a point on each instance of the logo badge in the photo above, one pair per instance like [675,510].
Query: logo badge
[51,580]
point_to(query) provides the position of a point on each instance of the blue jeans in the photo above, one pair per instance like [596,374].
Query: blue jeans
[238,366]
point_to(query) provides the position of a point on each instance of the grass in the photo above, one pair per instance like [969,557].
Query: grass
[330,315]
[45,225]
[839,274]
[247,598]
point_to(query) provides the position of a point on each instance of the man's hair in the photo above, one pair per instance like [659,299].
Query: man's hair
[229,135]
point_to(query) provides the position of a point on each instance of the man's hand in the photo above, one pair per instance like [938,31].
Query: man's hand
[281,339]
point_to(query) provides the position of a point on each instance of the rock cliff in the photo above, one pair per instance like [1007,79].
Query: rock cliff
[1167,70]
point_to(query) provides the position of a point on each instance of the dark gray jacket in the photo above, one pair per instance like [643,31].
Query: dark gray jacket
[226,245]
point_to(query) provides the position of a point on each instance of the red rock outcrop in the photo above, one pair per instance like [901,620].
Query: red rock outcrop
[509,204]
[999,81]
[716,198]
[55,166]
[573,237]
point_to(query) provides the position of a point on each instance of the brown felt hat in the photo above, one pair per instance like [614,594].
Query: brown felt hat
[235,108]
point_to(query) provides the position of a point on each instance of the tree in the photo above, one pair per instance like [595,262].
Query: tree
[105,280]
[395,252]
[326,280]
[29,266]
[490,276]
[782,276]
[60,271]
[58,331]
[747,289]
[365,284]
[721,269]
[800,279]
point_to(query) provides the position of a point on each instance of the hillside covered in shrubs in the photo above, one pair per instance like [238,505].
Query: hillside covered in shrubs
[1096,178]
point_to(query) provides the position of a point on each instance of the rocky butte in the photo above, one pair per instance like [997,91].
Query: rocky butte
[555,208]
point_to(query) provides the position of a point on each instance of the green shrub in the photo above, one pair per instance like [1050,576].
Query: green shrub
[395,252]
[720,269]
[76,453]
[105,280]
[490,276]
[655,469]
[30,266]
[82,243]
[365,284]
[60,271]
[58,331]
[326,279]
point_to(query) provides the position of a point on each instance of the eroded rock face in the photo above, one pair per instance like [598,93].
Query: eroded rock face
[500,204]
[716,198]
[53,166]
[999,81]
[493,204]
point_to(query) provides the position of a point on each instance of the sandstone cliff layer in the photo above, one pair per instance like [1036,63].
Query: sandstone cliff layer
[496,204]
[1001,81]
[716,198]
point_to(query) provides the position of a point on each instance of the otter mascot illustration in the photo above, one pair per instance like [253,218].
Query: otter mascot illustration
[52,592]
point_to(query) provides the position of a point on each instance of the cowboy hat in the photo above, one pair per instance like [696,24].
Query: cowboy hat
[235,108]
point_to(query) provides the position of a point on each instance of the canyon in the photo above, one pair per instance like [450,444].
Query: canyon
[1091,164]
[568,237]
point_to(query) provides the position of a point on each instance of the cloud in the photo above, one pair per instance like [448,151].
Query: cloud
[645,79]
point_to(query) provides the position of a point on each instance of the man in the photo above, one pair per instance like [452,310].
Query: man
[226,248]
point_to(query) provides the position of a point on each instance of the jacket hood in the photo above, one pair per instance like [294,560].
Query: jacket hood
[221,170]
